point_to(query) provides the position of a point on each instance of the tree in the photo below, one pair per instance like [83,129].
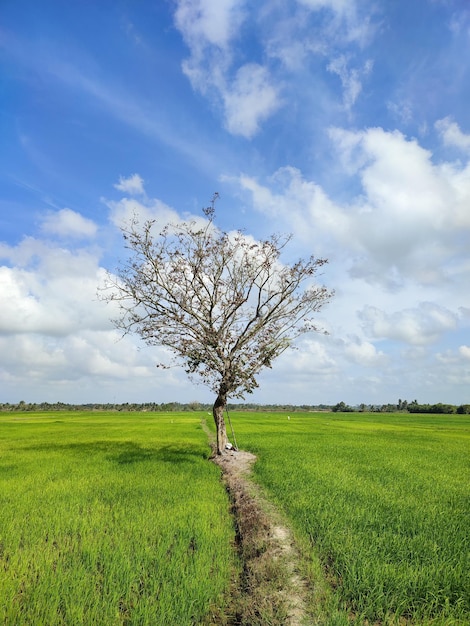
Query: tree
[223,303]
[341,407]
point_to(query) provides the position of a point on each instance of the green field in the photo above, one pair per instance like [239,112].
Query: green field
[110,519]
[382,501]
[118,518]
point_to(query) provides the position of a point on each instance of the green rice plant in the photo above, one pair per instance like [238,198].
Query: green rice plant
[383,502]
[110,519]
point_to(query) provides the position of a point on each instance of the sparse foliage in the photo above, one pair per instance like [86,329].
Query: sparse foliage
[223,303]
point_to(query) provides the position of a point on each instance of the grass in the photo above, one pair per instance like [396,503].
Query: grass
[118,519]
[382,502]
[110,519]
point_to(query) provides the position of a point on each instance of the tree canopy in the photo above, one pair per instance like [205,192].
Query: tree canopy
[223,303]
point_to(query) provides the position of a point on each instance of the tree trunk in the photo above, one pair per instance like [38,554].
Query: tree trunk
[218,413]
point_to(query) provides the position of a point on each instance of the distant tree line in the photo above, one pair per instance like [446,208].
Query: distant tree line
[99,406]
[405,407]
[155,406]
[340,407]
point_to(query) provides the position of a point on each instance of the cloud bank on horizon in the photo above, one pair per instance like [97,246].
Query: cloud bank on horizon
[344,122]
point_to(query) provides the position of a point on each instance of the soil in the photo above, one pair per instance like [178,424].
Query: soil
[272,589]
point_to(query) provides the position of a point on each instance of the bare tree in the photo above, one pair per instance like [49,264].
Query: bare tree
[222,302]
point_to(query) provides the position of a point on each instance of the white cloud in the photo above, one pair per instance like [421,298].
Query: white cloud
[69,368]
[364,353]
[452,368]
[68,223]
[134,185]
[351,79]
[327,369]
[459,357]
[50,290]
[251,99]
[465,352]
[208,22]
[208,28]
[402,111]
[56,334]
[301,204]
[409,220]
[311,360]
[398,259]
[452,135]
[420,326]
[247,94]
[307,32]
[412,213]
[124,211]
[250,93]
[351,21]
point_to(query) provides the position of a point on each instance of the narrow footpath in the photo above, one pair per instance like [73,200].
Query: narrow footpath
[271,589]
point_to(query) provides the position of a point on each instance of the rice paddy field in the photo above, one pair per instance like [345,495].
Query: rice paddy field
[119,519]
[110,519]
[381,501]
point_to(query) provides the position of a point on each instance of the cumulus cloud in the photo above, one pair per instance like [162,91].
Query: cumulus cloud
[56,333]
[465,352]
[247,94]
[298,368]
[320,367]
[71,365]
[412,213]
[400,240]
[452,368]
[133,185]
[204,22]
[123,211]
[301,204]
[52,291]
[409,221]
[452,135]
[68,223]
[364,353]
[250,100]
[420,326]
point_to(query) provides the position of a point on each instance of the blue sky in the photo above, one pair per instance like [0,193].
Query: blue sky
[343,122]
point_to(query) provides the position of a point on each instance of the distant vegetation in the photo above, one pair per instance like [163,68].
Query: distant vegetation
[404,407]
[340,407]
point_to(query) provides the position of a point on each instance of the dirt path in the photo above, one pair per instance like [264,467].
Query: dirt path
[272,589]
